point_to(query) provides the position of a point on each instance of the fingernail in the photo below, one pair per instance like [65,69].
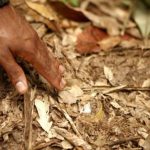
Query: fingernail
[61,69]
[62,83]
[21,87]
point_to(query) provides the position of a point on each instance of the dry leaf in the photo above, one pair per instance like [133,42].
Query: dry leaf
[75,140]
[105,22]
[66,145]
[87,40]
[71,96]
[45,14]
[147,143]
[42,9]
[110,24]
[119,13]
[108,74]
[76,91]
[41,31]
[109,43]
[93,40]
[134,32]
[146,83]
[143,132]
[42,107]
[129,43]
[67,97]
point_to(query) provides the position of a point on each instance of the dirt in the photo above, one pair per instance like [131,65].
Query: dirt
[105,106]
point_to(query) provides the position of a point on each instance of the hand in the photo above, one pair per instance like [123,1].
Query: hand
[17,38]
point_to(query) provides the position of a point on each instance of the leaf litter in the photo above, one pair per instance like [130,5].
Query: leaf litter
[106,103]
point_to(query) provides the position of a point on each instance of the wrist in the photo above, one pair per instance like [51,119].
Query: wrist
[3,2]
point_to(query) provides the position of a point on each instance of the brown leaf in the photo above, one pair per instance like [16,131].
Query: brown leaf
[93,39]
[70,12]
[87,40]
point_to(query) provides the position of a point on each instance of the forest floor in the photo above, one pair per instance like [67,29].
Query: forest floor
[106,103]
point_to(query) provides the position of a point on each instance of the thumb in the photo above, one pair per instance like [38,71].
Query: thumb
[14,71]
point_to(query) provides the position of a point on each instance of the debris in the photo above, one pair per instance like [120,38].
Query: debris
[75,140]
[106,102]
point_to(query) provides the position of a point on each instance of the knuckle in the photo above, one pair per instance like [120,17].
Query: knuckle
[29,51]
[31,46]
[31,41]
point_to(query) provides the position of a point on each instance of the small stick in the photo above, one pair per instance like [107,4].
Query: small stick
[123,141]
[44,145]
[71,122]
[130,48]
[114,89]
[66,115]
[28,110]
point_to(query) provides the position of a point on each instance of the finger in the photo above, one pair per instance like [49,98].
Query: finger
[45,64]
[14,71]
[61,69]
[50,69]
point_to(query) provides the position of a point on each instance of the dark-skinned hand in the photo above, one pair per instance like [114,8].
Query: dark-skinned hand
[17,38]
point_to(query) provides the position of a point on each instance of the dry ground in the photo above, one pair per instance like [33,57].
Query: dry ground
[106,104]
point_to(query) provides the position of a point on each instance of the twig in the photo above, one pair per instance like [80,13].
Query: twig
[130,48]
[71,122]
[123,141]
[28,109]
[69,119]
[109,89]
[113,89]
[43,145]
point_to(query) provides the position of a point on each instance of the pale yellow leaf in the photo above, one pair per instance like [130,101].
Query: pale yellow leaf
[146,83]
[71,95]
[43,112]
[43,10]
[108,73]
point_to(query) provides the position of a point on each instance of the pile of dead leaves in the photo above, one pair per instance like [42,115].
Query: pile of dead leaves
[104,46]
